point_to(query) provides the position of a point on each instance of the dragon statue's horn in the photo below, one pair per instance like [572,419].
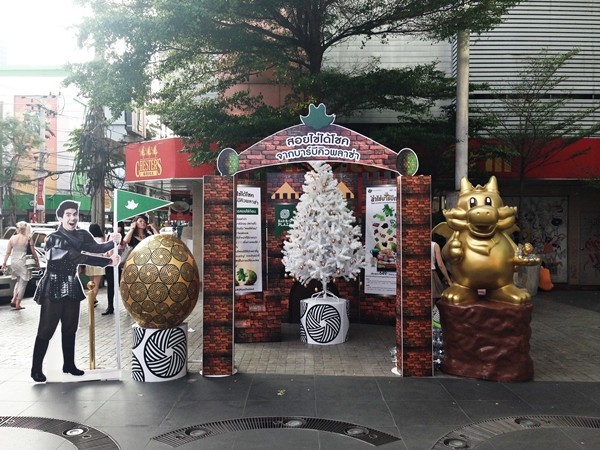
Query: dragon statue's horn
[465,185]
[492,185]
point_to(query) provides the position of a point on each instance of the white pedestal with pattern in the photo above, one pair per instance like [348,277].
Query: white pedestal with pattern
[324,321]
[159,355]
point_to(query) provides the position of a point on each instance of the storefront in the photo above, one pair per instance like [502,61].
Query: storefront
[161,168]
[558,210]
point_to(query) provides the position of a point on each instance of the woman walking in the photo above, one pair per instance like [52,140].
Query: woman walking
[437,263]
[17,251]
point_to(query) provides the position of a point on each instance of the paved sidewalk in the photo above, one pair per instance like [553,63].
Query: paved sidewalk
[295,396]
[565,342]
[367,353]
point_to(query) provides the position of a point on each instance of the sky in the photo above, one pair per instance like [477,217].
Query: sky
[36,33]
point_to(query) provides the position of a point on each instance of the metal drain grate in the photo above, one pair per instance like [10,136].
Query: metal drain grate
[189,434]
[81,436]
[472,435]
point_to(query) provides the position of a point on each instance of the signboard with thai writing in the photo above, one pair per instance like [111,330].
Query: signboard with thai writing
[380,240]
[316,138]
[248,242]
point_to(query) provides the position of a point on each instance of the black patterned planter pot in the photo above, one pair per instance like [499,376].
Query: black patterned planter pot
[324,321]
[159,355]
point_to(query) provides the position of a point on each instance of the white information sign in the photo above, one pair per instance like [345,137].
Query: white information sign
[380,240]
[248,242]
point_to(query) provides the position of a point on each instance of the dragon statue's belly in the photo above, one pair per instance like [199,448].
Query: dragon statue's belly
[485,264]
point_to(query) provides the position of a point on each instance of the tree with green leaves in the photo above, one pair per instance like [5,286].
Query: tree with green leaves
[98,162]
[17,138]
[533,117]
[185,60]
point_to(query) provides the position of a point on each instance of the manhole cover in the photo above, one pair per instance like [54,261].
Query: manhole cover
[183,436]
[470,436]
[81,436]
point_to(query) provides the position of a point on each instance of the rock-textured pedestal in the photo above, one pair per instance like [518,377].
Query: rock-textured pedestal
[487,340]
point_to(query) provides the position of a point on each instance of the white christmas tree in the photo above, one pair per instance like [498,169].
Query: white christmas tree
[322,241]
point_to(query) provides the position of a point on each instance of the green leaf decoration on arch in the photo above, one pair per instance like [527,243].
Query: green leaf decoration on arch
[317,117]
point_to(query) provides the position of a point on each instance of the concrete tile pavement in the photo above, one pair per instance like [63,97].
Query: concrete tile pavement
[565,342]
[348,384]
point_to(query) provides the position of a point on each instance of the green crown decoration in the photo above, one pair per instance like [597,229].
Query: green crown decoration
[317,117]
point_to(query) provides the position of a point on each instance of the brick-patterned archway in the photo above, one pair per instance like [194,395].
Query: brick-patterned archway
[301,143]
[332,143]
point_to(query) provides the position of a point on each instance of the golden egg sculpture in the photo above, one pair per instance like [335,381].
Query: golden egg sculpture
[160,282]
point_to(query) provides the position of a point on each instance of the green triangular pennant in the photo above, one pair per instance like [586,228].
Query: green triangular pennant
[129,204]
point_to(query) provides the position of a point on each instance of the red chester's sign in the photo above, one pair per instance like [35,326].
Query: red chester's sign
[162,159]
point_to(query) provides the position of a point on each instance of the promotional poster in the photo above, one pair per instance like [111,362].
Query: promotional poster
[380,240]
[248,242]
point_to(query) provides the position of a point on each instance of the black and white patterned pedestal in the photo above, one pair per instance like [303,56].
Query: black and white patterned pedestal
[324,321]
[159,355]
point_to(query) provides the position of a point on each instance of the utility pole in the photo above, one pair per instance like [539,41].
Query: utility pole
[462,107]
[98,190]
[40,178]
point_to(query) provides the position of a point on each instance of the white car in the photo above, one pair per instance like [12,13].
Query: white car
[7,284]
[168,230]
[42,227]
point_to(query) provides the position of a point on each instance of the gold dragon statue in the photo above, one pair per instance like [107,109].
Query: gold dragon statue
[480,252]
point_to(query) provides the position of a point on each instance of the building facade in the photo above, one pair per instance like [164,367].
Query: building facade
[557,213]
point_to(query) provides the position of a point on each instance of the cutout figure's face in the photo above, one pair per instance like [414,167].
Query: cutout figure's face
[69,219]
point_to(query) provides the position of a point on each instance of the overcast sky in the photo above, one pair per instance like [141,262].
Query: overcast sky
[37,33]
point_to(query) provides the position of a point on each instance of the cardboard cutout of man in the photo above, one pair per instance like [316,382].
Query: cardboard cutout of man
[59,291]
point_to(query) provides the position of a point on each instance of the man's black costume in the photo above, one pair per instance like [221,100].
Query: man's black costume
[59,292]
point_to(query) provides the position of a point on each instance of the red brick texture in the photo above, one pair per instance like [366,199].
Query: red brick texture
[258,317]
[219,264]
[413,298]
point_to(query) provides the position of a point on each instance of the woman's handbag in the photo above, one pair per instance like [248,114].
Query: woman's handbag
[124,255]
[30,262]
[29,250]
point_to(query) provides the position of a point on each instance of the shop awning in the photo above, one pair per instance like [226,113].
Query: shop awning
[161,160]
